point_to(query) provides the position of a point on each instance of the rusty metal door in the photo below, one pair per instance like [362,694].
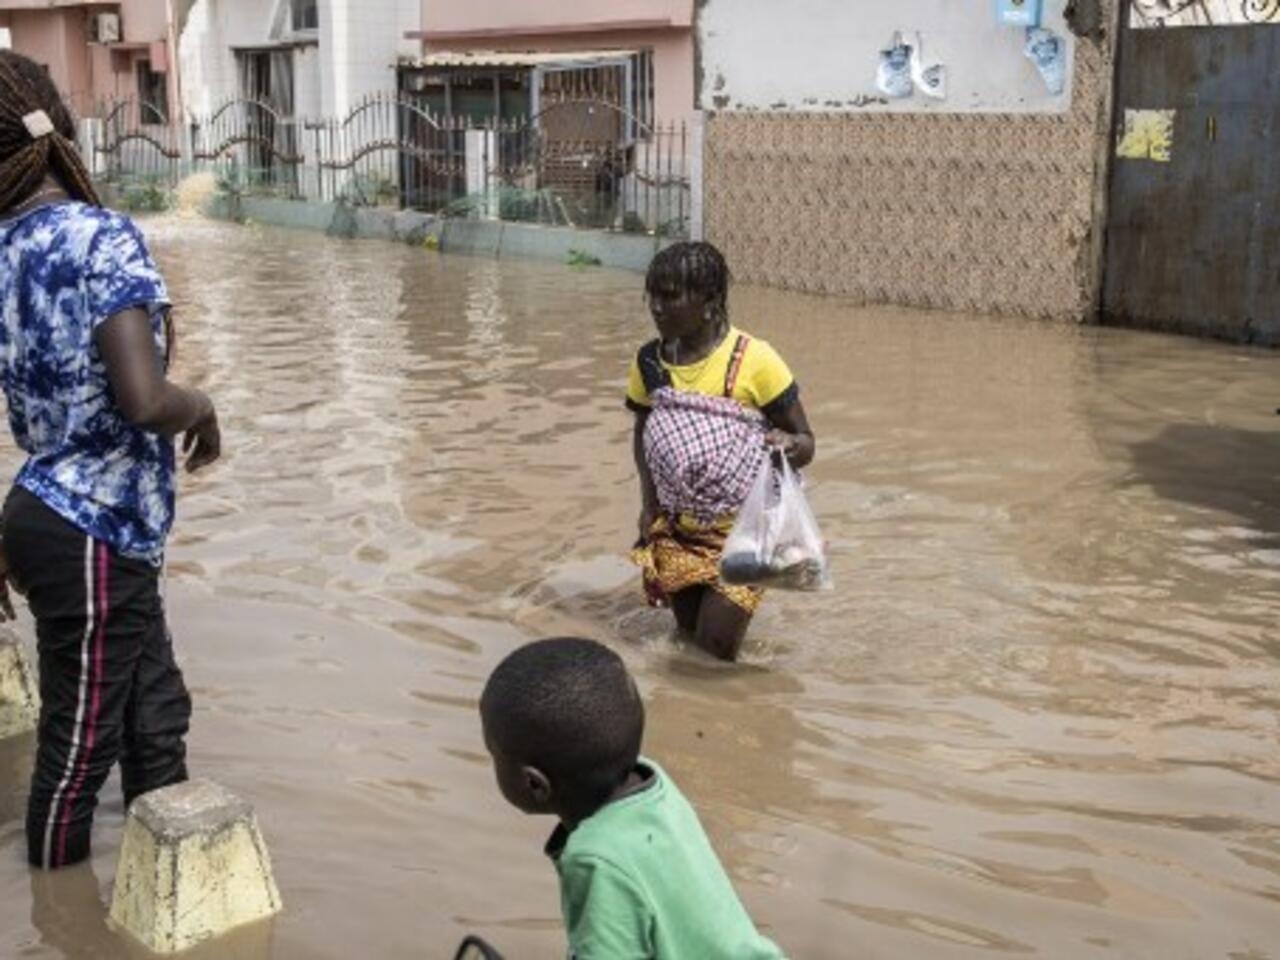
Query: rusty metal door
[1193,236]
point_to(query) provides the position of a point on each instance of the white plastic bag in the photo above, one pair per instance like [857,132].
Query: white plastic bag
[776,541]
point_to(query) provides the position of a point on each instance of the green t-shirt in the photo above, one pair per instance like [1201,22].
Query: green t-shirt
[639,881]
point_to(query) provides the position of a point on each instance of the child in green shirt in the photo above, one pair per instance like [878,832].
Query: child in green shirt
[563,722]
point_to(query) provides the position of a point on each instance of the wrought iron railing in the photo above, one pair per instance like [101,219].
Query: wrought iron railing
[581,163]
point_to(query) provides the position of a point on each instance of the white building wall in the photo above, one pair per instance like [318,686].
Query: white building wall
[354,54]
[359,44]
[822,55]
[308,91]
[206,48]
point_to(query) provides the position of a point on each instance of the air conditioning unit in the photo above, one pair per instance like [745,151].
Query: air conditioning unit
[105,28]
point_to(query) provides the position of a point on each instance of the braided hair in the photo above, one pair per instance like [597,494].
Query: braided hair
[691,267]
[26,159]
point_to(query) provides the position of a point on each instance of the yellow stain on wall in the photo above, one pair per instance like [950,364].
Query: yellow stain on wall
[1147,135]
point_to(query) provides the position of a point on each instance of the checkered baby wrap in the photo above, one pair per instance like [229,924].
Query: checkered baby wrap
[703,452]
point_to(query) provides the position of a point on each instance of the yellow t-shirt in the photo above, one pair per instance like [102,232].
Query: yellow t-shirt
[763,377]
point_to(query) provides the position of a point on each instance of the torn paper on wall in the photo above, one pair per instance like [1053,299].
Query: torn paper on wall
[1048,52]
[929,75]
[893,76]
[1147,135]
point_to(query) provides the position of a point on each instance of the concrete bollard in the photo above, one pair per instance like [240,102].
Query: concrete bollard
[192,867]
[19,702]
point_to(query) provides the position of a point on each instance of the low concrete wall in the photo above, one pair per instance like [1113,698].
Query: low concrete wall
[628,252]
[474,237]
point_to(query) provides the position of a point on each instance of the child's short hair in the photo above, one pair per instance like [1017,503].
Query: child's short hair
[568,707]
[690,267]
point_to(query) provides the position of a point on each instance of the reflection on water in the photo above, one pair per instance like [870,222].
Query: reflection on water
[1038,716]
[69,914]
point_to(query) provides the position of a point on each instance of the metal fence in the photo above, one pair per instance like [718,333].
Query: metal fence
[126,140]
[574,165]
[581,163]
[251,147]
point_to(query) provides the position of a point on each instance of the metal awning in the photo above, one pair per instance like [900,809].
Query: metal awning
[498,59]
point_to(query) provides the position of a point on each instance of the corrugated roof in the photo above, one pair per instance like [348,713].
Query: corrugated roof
[531,58]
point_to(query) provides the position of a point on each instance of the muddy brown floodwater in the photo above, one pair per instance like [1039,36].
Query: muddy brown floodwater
[1039,715]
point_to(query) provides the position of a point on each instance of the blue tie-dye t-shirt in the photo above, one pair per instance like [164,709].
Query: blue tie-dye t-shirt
[65,269]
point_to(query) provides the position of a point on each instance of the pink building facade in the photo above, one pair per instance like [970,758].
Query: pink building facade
[98,51]
[662,29]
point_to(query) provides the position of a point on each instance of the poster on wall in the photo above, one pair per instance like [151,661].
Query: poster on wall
[893,75]
[929,76]
[1046,50]
[903,70]
[1153,14]
[1147,135]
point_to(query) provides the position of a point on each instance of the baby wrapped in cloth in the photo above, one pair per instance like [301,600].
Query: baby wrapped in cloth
[704,453]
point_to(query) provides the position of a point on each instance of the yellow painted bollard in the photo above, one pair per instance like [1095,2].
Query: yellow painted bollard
[19,702]
[192,867]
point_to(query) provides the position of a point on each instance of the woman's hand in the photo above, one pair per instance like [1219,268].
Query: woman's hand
[6,603]
[203,442]
[785,443]
[791,435]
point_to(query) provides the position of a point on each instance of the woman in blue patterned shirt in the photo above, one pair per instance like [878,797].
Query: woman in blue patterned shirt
[85,339]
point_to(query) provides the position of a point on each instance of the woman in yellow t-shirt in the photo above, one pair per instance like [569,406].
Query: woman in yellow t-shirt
[710,402]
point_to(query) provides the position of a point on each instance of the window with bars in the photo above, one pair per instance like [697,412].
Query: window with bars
[306,15]
[627,83]
[642,92]
[153,94]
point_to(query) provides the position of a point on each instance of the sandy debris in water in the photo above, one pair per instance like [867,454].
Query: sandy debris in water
[193,194]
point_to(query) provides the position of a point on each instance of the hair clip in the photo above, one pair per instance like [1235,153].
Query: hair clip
[38,124]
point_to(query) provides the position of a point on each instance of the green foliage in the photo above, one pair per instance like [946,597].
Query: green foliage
[229,183]
[512,205]
[235,181]
[375,190]
[149,195]
[580,259]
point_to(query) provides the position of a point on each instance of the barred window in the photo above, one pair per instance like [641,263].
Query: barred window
[153,94]
[306,15]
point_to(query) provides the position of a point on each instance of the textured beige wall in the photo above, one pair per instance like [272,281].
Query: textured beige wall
[991,213]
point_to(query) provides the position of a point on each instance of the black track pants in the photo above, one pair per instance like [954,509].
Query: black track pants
[109,685]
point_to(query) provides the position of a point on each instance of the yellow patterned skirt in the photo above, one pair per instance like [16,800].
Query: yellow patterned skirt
[687,554]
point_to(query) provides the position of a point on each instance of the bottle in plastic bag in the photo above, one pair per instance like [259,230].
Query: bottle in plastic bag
[775,541]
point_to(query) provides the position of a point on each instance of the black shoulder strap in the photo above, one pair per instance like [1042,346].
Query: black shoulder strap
[652,372]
